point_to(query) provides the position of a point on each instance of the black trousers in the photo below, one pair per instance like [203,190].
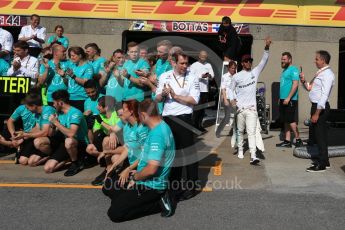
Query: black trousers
[318,132]
[186,154]
[198,115]
[134,203]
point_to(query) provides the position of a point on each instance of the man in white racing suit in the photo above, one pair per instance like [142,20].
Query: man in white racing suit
[244,86]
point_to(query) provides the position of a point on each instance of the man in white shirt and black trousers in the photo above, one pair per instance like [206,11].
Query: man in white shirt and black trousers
[320,88]
[179,90]
[203,70]
[34,35]
[244,86]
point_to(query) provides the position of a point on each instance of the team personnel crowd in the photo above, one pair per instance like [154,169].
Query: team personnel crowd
[136,114]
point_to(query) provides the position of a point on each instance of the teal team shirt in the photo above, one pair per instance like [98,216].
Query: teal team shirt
[74,116]
[132,91]
[286,78]
[63,40]
[89,104]
[76,91]
[159,146]
[29,119]
[43,118]
[134,137]
[98,64]
[114,88]
[4,66]
[162,66]
[54,81]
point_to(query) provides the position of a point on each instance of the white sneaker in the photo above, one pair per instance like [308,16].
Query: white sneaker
[240,154]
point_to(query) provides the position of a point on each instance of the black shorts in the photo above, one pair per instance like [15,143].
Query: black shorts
[288,113]
[98,137]
[27,148]
[57,144]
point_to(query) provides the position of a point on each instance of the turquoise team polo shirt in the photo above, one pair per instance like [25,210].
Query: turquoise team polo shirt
[114,89]
[28,118]
[43,118]
[89,104]
[134,138]
[131,90]
[98,64]
[74,116]
[288,75]
[162,66]
[63,40]
[4,66]
[159,146]
[54,81]
[76,91]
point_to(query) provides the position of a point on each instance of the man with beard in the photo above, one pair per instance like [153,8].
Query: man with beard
[288,100]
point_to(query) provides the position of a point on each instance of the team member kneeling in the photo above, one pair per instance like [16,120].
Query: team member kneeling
[107,117]
[33,114]
[147,186]
[70,141]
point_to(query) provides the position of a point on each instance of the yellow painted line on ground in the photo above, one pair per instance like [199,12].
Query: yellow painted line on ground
[206,189]
[19,185]
[7,162]
[218,169]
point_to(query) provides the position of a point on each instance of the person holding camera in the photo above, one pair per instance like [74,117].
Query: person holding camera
[320,88]
[203,70]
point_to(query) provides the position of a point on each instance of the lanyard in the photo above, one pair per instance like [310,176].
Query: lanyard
[310,85]
[184,79]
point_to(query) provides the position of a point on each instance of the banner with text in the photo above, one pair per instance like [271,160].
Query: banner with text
[285,12]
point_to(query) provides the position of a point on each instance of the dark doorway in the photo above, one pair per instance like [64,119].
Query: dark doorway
[341,75]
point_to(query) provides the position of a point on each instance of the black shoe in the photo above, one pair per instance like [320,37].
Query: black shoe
[299,143]
[316,168]
[186,195]
[286,144]
[99,180]
[90,162]
[254,161]
[328,165]
[218,135]
[75,167]
[167,205]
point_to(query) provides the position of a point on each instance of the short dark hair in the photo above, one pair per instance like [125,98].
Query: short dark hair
[288,54]
[178,54]
[90,84]
[108,101]
[33,99]
[118,51]
[59,27]
[131,44]
[35,15]
[232,63]
[149,106]
[21,44]
[77,50]
[324,55]
[226,19]
[93,46]
[133,107]
[61,95]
